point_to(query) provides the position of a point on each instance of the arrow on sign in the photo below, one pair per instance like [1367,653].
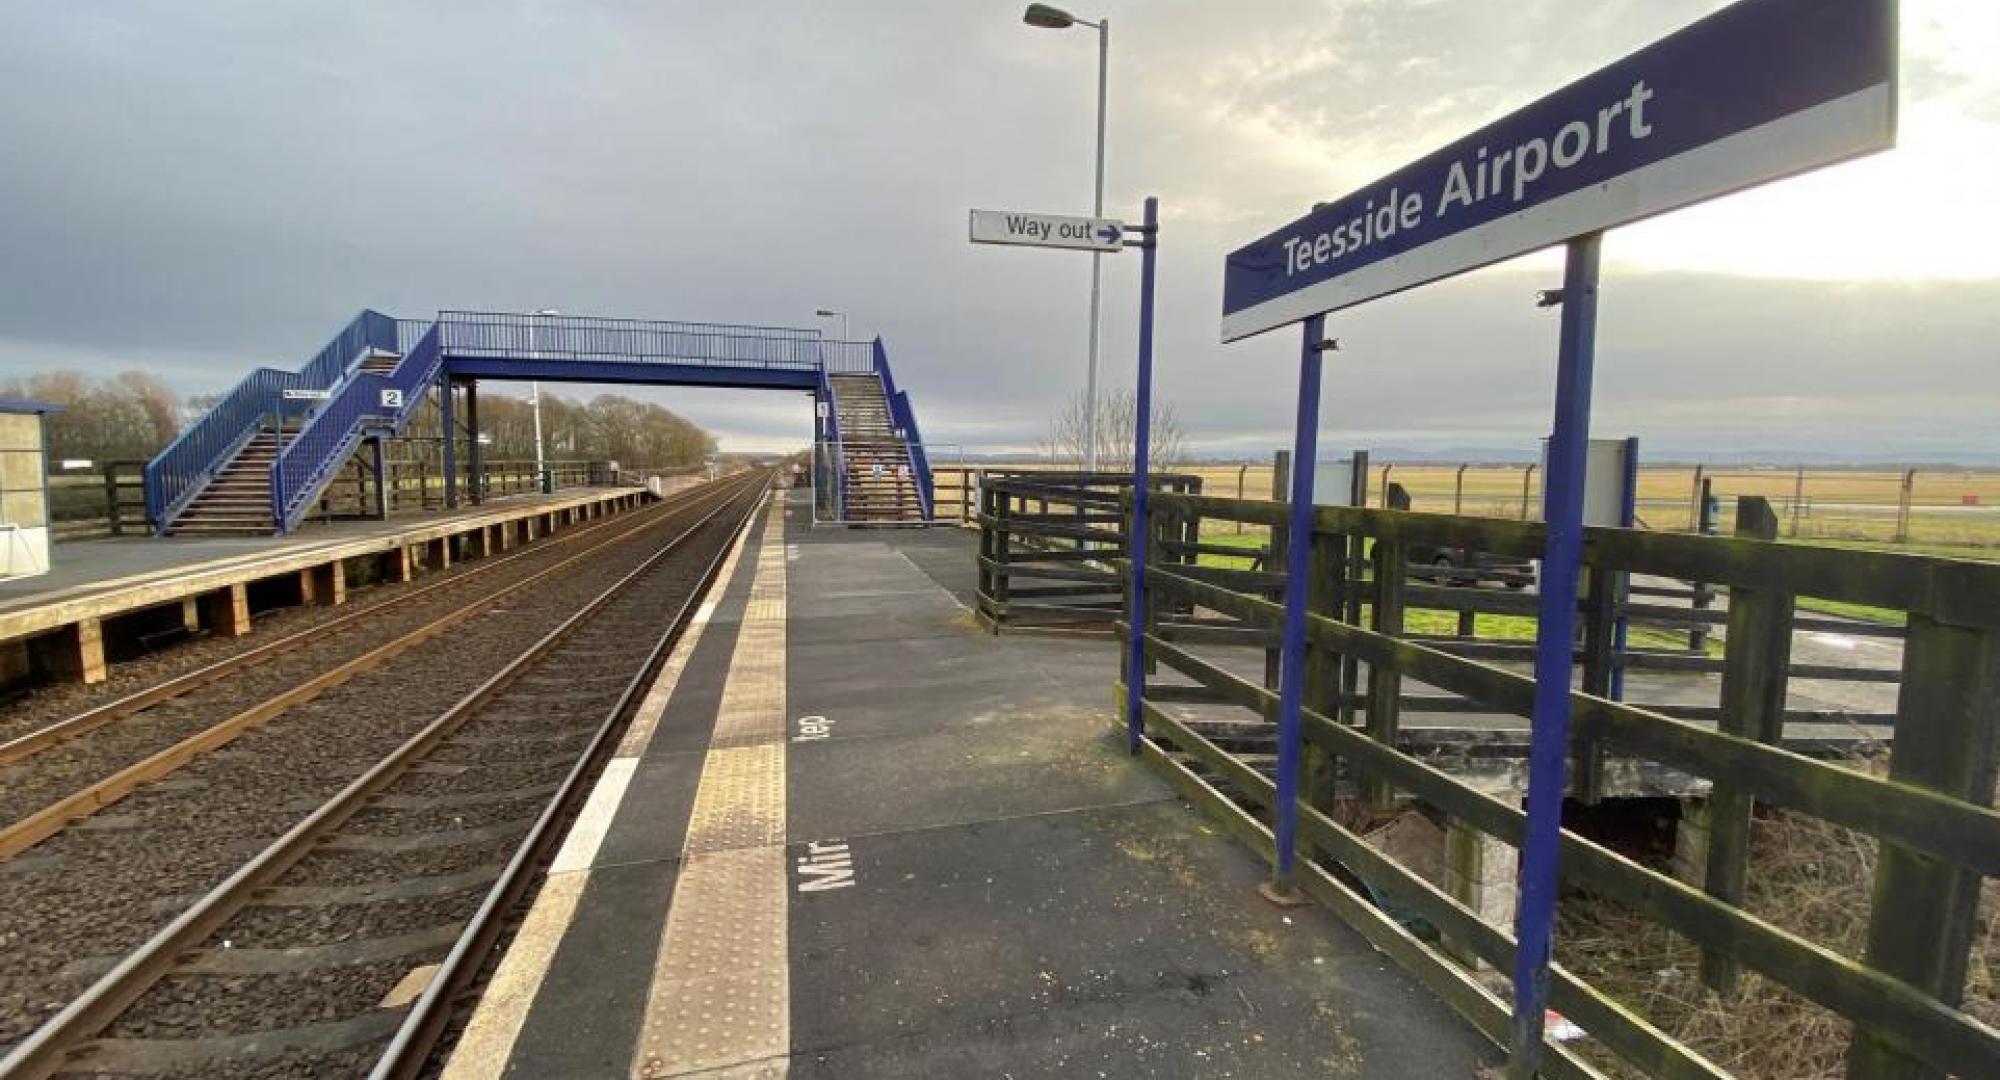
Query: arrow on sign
[1109,234]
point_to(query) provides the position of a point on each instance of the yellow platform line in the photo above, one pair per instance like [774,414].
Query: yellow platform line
[720,1002]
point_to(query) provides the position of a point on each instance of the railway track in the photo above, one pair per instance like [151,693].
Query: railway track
[75,904]
[85,762]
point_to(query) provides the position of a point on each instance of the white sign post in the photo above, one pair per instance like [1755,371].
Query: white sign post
[1047,230]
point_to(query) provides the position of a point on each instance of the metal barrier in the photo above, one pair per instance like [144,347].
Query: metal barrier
[312,457]
[572,337]
[1932,816]
[1048,542]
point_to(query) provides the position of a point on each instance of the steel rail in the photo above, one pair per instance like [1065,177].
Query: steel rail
[26,832]
[45,1051]
[28,745]
[410,1048]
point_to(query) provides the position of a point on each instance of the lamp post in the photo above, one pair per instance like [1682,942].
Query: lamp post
[541,469]
[1051,18]
[828,313]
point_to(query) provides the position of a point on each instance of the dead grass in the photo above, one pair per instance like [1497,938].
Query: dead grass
[1807,876]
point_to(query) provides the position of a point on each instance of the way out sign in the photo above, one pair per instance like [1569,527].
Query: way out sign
[1047,230]
[1760,90]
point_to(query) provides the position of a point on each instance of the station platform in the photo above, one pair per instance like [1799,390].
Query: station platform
[849,834]
[61,614]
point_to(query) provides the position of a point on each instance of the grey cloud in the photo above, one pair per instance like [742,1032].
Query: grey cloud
[201,188]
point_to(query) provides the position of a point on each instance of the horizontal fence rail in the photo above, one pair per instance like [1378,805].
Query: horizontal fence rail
[1048,545]
[1208,723]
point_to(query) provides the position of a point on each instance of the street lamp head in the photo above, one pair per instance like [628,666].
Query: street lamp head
[1048,18]
[548,311]
[826,313]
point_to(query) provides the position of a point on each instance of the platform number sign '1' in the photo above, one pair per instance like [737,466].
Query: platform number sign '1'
[1761,90]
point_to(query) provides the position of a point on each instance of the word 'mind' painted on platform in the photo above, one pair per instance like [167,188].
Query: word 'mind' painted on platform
[826,865]
[1758,91]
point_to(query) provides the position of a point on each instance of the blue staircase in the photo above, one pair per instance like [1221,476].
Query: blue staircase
[259,460]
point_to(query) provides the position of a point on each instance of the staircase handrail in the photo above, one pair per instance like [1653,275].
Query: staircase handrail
[904,419]
[308,462]
[176,474]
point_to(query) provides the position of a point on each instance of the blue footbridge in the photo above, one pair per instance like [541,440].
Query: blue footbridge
[260,459]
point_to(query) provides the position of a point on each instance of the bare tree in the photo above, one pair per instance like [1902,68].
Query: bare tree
[1117,426]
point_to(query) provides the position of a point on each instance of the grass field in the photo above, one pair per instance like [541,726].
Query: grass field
[1951,512]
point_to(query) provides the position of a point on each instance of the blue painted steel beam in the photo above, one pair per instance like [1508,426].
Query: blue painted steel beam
[1548,750]
[1292,644]
[1142,497]
[653,373]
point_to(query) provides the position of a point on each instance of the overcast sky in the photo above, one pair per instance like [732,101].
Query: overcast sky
[200,188]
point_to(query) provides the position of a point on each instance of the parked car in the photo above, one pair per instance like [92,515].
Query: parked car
[1463,566]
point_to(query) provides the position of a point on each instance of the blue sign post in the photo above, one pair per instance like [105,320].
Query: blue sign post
[1135,640]
[1292,639]
[1758,91]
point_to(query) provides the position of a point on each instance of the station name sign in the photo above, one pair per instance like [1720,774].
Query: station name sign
[1047,230]
[1760,90]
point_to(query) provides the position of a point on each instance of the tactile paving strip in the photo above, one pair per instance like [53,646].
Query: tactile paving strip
[720,1003]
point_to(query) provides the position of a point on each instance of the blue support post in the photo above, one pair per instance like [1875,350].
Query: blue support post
[1548,752]
[1628,515]
[1135,650]
[1292,644]
[448,425]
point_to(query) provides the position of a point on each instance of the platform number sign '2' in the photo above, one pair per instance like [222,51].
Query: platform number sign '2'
[392,399]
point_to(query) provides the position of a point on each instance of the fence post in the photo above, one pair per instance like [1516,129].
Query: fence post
[1695,501]
[1903,506]
[1947,740]
[1759,650]
[1705,525]
[1798,498]
[1325,595]
[1385,685]
[1242,471]
[112,520]
[1281,486]
[1599,656]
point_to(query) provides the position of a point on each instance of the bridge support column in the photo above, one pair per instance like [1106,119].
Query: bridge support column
[448,425]
[475,481]
[381,477]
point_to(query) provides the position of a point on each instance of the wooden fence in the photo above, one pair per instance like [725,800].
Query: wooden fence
[1932,815]
[1047,542]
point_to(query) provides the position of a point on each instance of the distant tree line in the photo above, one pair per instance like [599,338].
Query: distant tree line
[607,427]
[130,415]
[133,415]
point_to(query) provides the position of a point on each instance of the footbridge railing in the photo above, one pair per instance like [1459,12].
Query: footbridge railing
[497,335]
[1897,975]
[176,474]
[364,402]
